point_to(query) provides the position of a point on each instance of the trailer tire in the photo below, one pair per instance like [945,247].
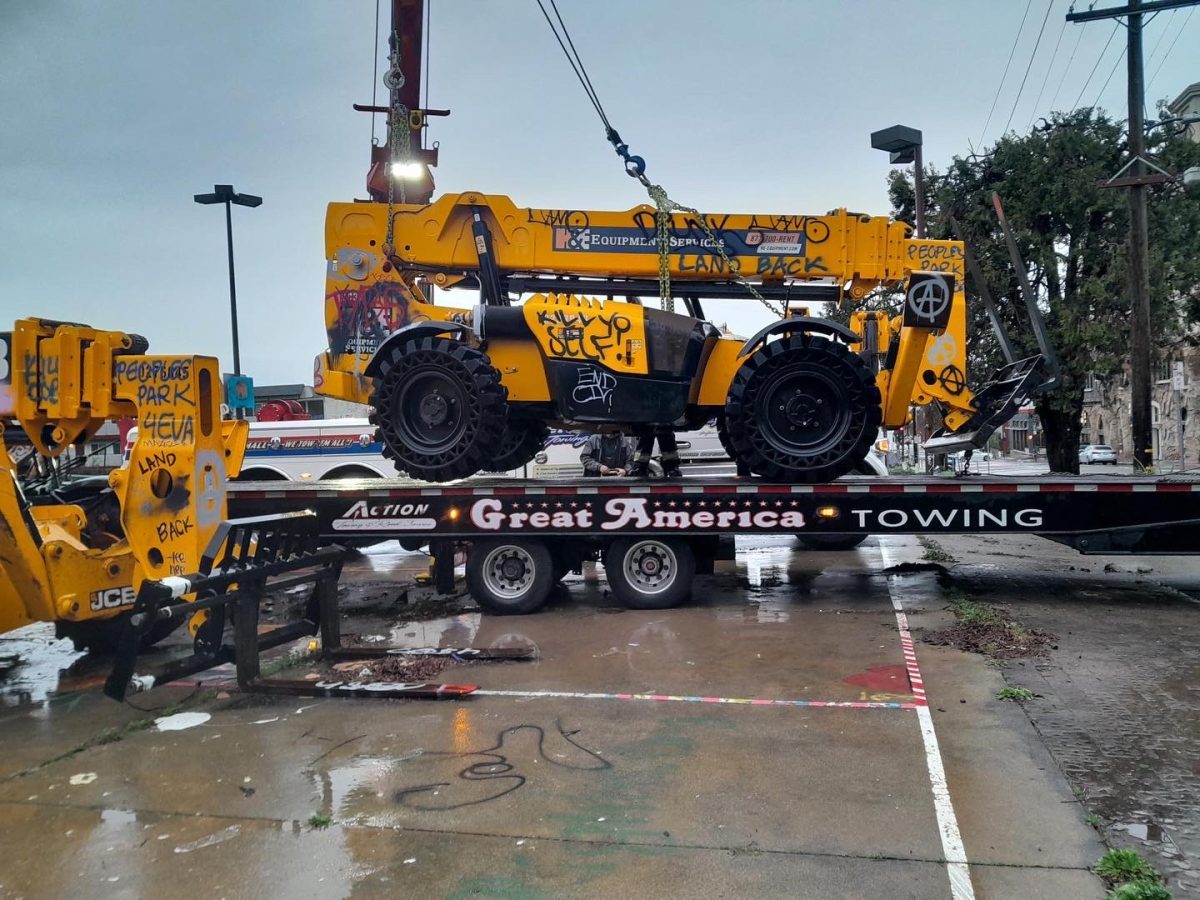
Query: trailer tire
[650,572]
[510,577]
[439,408]
[802,409]
[834,541]
[831,541]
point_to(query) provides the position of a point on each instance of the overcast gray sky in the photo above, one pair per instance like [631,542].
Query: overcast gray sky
[117,112]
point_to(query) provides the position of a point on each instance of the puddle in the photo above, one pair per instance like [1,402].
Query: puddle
[45,662]
[391,558]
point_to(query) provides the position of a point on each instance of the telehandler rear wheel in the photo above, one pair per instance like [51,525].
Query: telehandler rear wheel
[520,443]
[439,408]
[802,409]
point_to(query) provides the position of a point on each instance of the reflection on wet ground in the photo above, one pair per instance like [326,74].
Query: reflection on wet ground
[1117,703]
[42,660]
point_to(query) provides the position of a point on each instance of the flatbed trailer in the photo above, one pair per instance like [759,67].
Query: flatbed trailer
[522,535]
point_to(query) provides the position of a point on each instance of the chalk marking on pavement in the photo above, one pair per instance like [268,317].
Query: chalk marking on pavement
[681,698]
[952,843]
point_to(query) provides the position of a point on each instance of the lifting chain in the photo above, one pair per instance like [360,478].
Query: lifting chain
[635,167]
[663,207]
[399,140]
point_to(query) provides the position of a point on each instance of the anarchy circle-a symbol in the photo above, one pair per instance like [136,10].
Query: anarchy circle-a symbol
[928,299]
[953,379]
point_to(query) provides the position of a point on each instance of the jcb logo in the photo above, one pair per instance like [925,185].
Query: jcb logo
[113,597]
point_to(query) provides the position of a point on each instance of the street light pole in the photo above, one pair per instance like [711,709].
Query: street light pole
[224,193]
[904,145]
[237,356]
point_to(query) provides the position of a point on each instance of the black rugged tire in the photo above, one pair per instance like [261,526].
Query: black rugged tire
[723,436]
[482,584]
[102,635]
[519,444]
[464,373]
[635,596]
[813,369]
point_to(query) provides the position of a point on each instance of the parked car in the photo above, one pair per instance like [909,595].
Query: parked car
[1097,453]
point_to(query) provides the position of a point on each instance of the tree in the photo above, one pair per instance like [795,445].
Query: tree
[1072,236]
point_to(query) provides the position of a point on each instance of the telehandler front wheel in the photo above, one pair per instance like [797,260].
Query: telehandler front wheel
[102,635]
[439,408]
[802,409]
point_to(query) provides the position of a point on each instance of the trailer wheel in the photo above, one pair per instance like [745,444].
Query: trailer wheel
[439,408]
[650,573]
[831,541]
[509,578]
[813,541]
[519,444]
[802,409]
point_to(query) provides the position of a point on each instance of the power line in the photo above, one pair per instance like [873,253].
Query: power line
[1063,80]
[1162,34]
[1029,65]
[1053,56]
[1011,53]
[1111,73]
[1173,43]
[1083,89]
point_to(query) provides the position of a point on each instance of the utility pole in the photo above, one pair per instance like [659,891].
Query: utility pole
[1139,251]
[1139,240]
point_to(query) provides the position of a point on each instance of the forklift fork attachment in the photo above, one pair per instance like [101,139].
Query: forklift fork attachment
[246,559]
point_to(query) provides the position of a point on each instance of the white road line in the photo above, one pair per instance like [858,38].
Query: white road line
[952,844]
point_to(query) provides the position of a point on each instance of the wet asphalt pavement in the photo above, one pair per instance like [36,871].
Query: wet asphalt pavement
[561,782]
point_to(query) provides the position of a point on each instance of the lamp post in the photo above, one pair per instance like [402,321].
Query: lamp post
[904,145]
[224,193]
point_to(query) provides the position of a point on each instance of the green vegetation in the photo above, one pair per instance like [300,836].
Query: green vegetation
[1142,889]
[1073,237]
[1117,866]
[1016,694]
[934,552]
[970,612]
[319,821]
[1094,820]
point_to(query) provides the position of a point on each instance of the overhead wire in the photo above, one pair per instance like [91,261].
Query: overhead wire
[1099,59]
[1071,59]
[1172,47]
[1050,68]
[1162,34]
[1029,65]
[1004,76]
[1111,73]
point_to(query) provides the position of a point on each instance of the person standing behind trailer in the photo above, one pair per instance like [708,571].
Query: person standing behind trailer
[607,454]
[668,456]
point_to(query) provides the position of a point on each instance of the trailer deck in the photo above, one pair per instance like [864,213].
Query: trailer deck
[1092,514]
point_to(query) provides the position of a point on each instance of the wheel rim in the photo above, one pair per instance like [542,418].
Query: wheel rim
[508,571]
[431,409]
[650,566]
[802,411]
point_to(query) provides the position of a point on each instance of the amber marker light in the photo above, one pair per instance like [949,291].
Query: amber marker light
[828,512]
[453,514]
